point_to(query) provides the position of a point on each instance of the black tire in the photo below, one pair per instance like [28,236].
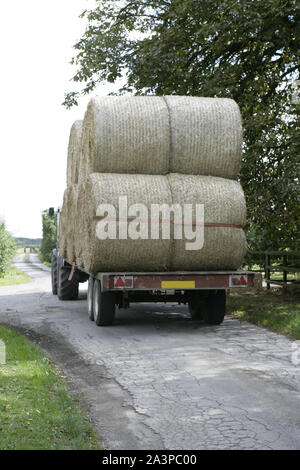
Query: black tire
[215,307]
[90,298]
[67,290]
[104,305]
[54,272]
[197,305]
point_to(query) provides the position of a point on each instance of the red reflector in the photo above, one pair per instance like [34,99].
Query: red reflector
[122,282]
[119,283]
[238,280]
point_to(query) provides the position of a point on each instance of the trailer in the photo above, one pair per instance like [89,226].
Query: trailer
[203,291]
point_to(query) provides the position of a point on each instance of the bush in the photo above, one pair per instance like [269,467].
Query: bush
[7,249]
[49,236]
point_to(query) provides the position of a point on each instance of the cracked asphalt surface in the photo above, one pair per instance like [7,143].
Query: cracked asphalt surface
[158,380]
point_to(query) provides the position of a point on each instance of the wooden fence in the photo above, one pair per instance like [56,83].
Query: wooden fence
[271,262]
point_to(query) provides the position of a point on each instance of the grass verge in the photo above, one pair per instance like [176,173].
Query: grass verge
[36,411]
[46,263]
[271,309]
[14,276]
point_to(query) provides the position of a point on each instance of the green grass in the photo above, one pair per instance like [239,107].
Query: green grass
[36,411]
[14,276]
[270,309]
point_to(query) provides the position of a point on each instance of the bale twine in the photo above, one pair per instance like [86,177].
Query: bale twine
[74,153]
[206,136]
[224,204]
[120,255]
[125,134]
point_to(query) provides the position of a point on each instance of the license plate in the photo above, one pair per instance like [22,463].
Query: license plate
[178,284]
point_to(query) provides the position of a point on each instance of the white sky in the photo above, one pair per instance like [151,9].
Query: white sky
[36,48]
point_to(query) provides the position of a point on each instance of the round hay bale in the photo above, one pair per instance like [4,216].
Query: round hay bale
[159,135]
[206,136]
[71,231]
[68,224]
[125,134]
[224,208]
[63,226]
[224,204]
[81,232]
[74,153]
[122,255]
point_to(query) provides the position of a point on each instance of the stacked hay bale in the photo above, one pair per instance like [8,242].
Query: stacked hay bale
[206,136]
[74,153]
[155,150]
[224,215]
[124,134]
[116,254]
[68,225]
[64,226]
[159,135]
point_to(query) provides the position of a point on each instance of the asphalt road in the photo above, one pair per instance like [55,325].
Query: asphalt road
[157,380]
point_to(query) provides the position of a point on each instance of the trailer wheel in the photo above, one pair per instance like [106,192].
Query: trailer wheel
[104,305]
[90,298]
[197,304]
[215,308]
[54,272]
[67,290]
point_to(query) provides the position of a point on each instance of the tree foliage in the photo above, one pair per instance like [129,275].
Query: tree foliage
[49,236]
[7,249]
[244,49]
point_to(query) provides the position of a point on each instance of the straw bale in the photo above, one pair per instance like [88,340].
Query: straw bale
[82,234]
[71,231]
[121,255]
[125,134]
[224,203]
[158,135]
[206,136]
[64,221]
[68,224]
[74,153]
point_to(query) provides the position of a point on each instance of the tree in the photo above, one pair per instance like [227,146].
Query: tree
[244,49]
[49,236]
[7,249]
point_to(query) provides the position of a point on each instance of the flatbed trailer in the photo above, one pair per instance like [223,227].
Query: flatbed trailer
[203,291]
[185,280]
